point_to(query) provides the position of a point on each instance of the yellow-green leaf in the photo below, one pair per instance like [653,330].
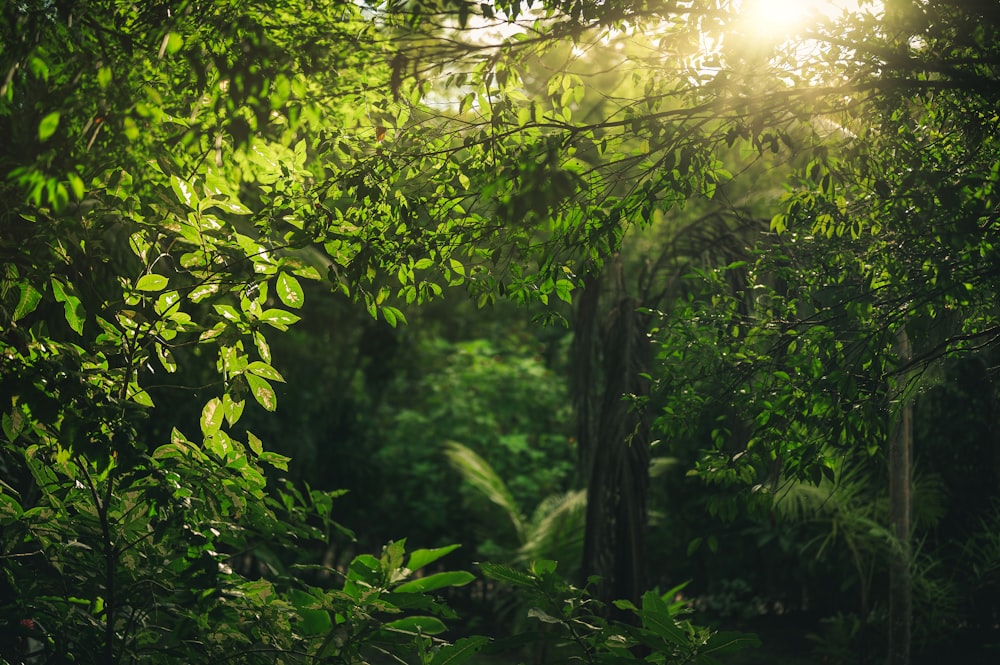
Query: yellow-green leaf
[278,318]
[166,358]
[139,396]
[47,127]
[289,290]
[151,282]
[262,346]
[265,371]
[262,391]
[255,443]
[184,191]
[232,408]
[211,416]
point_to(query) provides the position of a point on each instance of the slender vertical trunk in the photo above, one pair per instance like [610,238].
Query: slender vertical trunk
[585,373]
[900,502]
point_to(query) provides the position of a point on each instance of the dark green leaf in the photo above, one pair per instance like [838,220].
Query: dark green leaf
[460,651]
[507,574]
[420,558]
[422,625]
[436,581]
[28,301]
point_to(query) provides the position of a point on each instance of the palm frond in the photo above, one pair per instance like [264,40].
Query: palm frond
[479,474]
[556,530]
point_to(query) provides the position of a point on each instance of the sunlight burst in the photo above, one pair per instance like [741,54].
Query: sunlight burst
[779,19]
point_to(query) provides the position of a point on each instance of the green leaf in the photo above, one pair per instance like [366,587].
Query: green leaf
[564,290]
[656,618]
[72,307]
[289,290]
[228,312]
[421,558]
[262,346]
[393,316]
[275,460]
[13,423]
[264,370]
[422,625]
[728,641]
[199,293]
[436,581]
[508,574]
[625,605]
[76,184]
[47,127]
[543,567]
[218,443]
[184,191]
[230,206]
[478,473]
[10,509]
[543,616]
[174,43]
[262,391]
[364,568]
[232,408]
[59,290]
[139,396]
[278,318]
[460,651]
[151,282]
[314,620]
[255,443]
[166,358]
[211,416]
[104,76]
[26,304]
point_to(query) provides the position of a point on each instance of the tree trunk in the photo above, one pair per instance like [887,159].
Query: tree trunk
[585,373]
[618,460]
[900,502]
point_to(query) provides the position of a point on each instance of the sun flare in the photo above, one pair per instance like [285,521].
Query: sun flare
[779,19]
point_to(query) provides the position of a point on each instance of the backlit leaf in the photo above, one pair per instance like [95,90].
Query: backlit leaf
[278,318]
[232,408]
[289,290]
[264,370]
[211,416]
[262,391]
[166,358]
[47,127]
[152,282]
[184,191]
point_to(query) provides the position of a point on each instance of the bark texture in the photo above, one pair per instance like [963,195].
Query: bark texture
[900,508]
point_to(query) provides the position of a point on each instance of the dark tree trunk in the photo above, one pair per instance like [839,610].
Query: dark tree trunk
[617,457]
[900,506]
[585,373]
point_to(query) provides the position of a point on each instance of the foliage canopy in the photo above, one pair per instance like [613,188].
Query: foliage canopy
[175,171]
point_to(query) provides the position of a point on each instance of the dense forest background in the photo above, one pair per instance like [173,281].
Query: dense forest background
[440,331]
